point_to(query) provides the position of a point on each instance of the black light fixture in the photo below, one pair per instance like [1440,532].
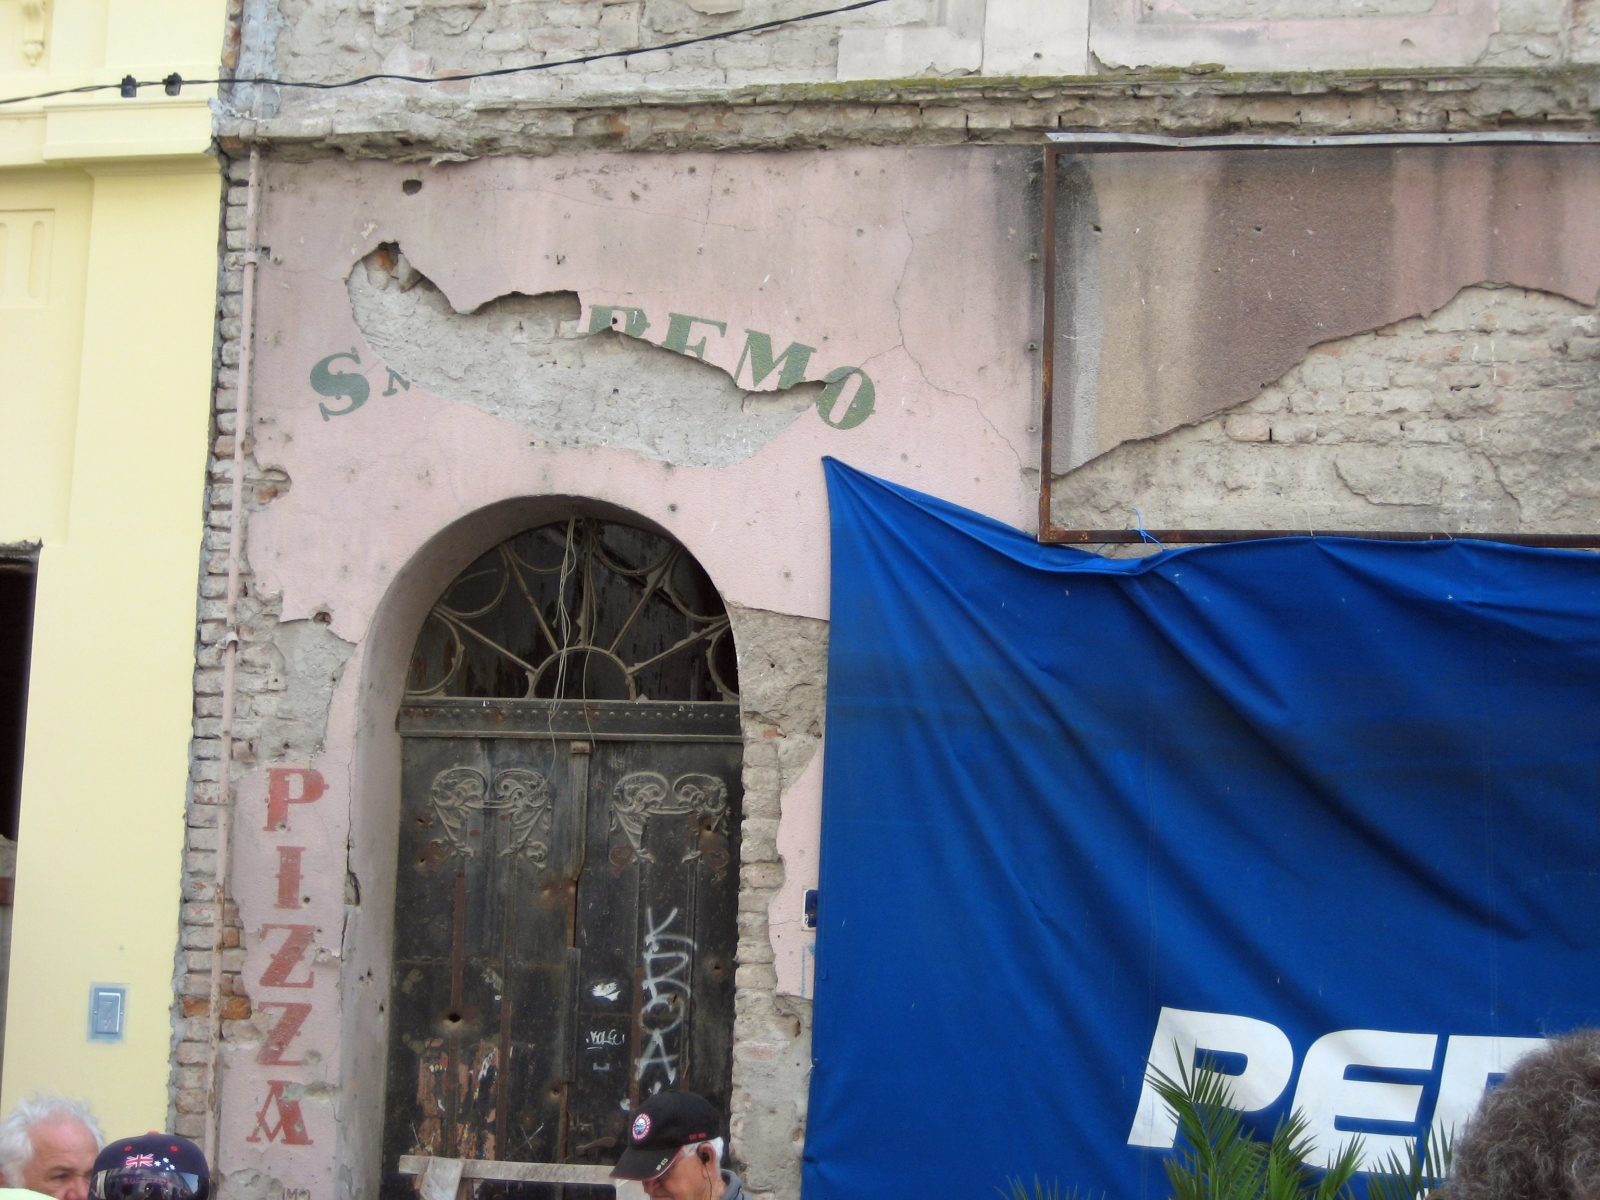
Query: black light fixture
[130,87]
[172,83]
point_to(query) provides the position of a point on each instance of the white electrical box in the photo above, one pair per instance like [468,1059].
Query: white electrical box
[108,1005]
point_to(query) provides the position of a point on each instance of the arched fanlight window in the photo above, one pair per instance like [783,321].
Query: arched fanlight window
[581,609]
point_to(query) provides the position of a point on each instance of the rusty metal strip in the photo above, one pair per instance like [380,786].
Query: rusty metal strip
[1092,537]
[1051,534]
[589,721]
[1246,141]
[458,948]
[502,1077]
[1047,373]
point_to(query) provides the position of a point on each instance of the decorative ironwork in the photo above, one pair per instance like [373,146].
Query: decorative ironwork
[647,794]
[457,792]
[579,610]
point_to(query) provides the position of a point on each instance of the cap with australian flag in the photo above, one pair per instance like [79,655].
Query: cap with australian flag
[153,1166]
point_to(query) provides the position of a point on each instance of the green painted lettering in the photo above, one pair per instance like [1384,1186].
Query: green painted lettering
[860,406]
[601,318]
[394,379]
[758,349]
[680,326]
[340,383]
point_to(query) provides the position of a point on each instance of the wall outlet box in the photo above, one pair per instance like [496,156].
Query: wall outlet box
[108,1007]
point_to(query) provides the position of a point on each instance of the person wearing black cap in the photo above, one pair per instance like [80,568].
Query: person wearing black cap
[675,1150]
[154,1166]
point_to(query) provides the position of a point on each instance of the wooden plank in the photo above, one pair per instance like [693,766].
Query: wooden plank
[518,1172]
[513,1172]
[441,1178]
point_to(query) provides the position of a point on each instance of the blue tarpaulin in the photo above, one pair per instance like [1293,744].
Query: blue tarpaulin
[1323,809]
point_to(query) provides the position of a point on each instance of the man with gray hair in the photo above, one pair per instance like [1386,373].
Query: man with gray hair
[1537,1135]
[48,1144]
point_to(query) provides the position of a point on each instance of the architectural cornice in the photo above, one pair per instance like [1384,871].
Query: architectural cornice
[412,124]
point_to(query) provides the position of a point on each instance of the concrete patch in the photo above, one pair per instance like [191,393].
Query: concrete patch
[295,717]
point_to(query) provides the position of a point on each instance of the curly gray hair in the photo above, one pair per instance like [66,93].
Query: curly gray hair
[1537,1135]
[16,1138]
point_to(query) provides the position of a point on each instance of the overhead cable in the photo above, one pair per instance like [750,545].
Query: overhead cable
[173,83]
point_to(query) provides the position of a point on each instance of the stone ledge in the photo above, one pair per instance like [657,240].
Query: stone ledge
[411,127]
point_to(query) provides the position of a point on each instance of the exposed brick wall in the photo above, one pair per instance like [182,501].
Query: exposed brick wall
[255,677]
[783,663]
[1484,415]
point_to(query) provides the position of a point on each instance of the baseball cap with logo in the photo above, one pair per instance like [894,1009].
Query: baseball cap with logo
[665,1124]
[154,1166]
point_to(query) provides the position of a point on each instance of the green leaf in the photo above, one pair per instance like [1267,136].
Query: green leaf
[1215,1156]
[1015,1189]
[1414,1176]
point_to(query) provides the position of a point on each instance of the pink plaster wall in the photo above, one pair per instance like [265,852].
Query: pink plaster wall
[913,265]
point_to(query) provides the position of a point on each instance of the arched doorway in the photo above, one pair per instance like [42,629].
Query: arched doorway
[566,900]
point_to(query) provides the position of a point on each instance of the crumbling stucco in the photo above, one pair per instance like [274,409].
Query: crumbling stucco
[1197,279]
[250,1185]
[274,714]
[783,664]
[310,658]
[524,359]
[1482,416]
[314,41]
[425,123]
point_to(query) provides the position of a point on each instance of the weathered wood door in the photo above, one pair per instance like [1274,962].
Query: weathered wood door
[565,914]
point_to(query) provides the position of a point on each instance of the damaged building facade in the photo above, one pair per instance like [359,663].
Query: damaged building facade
[506,779]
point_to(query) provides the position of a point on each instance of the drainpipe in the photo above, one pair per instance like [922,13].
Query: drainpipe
[230,659]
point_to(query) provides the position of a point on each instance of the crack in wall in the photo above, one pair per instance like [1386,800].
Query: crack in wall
[900,332]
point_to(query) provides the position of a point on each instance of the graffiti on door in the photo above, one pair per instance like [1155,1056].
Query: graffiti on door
[665,960]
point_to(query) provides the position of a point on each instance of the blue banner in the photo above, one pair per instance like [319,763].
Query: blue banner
[1325,809]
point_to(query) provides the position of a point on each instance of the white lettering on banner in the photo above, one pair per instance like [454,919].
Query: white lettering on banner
[1269,1061]
[1470,1065]
[1325,1095]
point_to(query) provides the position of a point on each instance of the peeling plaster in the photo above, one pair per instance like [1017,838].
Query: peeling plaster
[311,661]
[1483,415]
[1217,271]
[522,359]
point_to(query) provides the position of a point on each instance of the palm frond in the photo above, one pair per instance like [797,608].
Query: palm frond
[1215,1157]
[1335,1182]
[1015,1189]
[1414,1176]
[1287,1172]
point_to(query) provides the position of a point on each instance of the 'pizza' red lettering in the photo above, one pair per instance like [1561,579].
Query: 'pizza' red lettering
[286,786]
[288,957]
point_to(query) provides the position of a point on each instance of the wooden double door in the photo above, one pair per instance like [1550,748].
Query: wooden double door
[565,924]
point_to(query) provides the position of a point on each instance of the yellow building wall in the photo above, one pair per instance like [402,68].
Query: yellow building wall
[106,336]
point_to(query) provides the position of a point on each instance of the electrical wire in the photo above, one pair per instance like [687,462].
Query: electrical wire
[129,86]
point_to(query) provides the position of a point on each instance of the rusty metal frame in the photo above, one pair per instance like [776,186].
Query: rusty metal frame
[1100,143]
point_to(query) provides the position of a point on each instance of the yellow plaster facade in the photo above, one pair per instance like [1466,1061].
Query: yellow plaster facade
[109,215]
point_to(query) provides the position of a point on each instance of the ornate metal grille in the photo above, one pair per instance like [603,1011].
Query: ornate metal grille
[578,610]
